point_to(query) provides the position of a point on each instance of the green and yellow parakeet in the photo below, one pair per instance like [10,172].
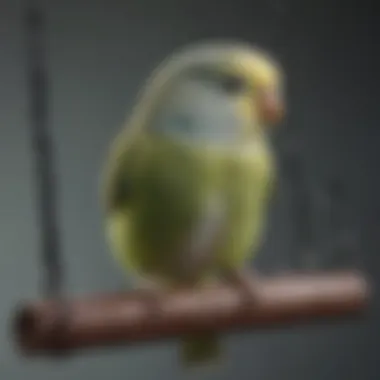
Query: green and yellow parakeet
[187,181]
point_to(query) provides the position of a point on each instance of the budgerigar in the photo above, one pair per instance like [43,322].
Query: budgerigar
[188,179]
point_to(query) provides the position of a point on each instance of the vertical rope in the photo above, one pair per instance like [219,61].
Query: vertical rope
[42,148]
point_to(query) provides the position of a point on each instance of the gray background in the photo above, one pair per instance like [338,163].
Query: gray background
[100,53]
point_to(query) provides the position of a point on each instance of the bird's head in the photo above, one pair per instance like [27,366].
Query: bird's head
[254,75]
[216,81]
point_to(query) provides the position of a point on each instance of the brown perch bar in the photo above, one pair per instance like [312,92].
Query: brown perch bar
[124,318]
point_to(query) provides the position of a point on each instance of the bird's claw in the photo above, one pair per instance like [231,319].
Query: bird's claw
[152,292]
[153,300]
[247,285]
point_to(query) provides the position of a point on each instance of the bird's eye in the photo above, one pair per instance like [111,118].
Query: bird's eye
[233,84]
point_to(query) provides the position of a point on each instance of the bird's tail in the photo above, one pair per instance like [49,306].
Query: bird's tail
[201,349]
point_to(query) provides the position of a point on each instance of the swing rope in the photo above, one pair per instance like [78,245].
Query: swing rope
[37,76]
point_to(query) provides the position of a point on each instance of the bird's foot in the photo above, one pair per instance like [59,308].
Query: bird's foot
[152,292]
[247,283]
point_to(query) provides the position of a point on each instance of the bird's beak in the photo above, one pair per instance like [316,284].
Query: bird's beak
[272,107]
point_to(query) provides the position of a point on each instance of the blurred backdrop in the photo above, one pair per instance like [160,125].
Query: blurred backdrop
[100,52]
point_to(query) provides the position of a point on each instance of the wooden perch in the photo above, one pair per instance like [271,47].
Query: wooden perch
[125,318]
